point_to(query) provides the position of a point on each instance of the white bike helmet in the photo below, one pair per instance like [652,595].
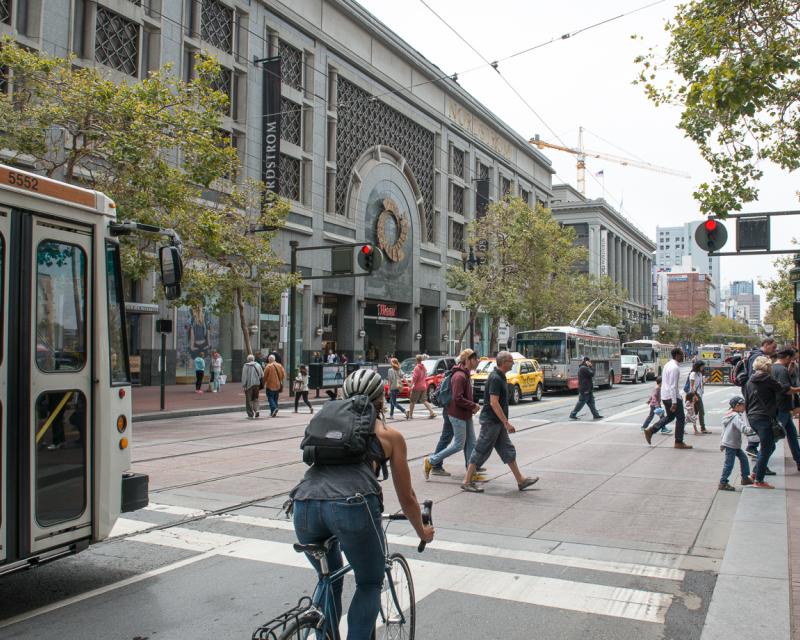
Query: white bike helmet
[364,382]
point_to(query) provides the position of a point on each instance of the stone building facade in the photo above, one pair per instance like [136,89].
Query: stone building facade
[616,247]
[377,146]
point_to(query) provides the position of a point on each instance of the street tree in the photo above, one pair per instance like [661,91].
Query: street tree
[732,68]
[779,293]
[158,148]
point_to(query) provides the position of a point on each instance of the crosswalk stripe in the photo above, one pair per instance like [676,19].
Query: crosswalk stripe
[632,569]
[633,604]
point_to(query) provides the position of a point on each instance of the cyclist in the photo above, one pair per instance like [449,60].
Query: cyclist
[346,501]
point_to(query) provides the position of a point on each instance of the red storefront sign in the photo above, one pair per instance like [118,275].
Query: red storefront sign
[387,310]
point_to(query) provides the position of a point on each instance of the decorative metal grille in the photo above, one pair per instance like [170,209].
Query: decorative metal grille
[291,65]
[525,195]
[364,122]
[291,121]
[289,181]
[216,25]
[116,41]
[483,172]
[5,11]
[458,162]
[456,235]
[223,82]
[458,199]
[505,186]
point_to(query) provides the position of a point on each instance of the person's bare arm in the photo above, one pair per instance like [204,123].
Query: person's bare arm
[494,403]
[401,477]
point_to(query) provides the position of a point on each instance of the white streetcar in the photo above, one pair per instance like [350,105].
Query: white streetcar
[65,389]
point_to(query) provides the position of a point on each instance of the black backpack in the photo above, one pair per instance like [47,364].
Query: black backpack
[343,432]
[740,373]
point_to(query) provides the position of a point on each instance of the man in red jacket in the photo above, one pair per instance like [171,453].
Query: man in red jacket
[460,410]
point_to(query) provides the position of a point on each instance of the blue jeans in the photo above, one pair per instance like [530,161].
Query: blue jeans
[356,522]
[763,427]
[649,417]
[730,456]
[393,393]
[272,398]
[463,440]
[785,418]
[445,438]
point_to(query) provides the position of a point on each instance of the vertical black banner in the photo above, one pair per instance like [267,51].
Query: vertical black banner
[481,197]
[271,128]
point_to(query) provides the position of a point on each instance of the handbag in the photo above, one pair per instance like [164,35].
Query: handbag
[298,386]
[778,430]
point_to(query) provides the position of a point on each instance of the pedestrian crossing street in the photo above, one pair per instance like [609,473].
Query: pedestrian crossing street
[477,577]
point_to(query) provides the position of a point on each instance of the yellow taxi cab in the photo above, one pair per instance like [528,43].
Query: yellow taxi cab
[526,379]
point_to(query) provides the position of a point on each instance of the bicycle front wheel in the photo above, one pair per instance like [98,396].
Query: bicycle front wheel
[306,628]
[398,606]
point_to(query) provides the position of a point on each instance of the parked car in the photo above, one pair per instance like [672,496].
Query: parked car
[526,379]
[633,369]
[435,368]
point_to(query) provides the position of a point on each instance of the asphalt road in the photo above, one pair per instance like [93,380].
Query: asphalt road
[617,540]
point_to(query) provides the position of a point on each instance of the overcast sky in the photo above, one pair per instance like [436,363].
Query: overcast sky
[585,81]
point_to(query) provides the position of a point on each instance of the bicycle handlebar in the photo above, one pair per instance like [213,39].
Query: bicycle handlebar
[427,518]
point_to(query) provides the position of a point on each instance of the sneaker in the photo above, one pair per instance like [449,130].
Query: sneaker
[704,430]
[746,481]
[471,487]
[762,485]
[724,486]
[665,431]
[751,453]
[571,417]
[273,413]
[648,435]
[527,482]
[427,467]
[481,469]
[477,477]
[257,414]
[598,417]
[683,445]
[440,471]
[769,472]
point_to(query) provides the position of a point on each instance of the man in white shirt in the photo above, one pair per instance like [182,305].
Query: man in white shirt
[671,398]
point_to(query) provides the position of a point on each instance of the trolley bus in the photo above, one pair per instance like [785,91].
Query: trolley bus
[560,350]
[653,353]
[65,390]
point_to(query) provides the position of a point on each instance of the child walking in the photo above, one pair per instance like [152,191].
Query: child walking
[691,410]
[654,402]
[734,424]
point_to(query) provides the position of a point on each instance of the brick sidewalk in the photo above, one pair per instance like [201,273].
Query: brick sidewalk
[181,398]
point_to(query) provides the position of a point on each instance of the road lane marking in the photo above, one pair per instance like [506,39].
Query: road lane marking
[102,590]
[125,526]
[626,568]
[175,510]
[583,597]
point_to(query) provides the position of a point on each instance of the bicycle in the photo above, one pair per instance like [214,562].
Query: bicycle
[312,617]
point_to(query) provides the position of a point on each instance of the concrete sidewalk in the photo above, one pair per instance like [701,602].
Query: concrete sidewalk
[754,596]
[182,401]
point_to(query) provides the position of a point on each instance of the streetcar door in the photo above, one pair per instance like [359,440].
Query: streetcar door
[4,480]
[60,404]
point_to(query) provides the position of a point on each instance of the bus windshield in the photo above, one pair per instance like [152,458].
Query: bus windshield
[546,349]
[646,354]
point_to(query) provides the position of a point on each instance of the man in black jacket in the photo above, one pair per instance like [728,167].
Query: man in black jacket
[585,393]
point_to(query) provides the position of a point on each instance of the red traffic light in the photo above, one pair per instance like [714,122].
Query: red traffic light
[366,249]
[711,224]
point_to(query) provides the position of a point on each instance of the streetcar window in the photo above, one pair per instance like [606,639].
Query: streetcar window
[60,430]
[117,342]
[60,306]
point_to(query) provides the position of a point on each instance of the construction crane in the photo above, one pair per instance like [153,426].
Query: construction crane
[584,153]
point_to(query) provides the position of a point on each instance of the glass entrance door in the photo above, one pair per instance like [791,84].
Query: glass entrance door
[60,401]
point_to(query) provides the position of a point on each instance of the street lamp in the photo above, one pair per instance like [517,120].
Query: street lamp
[469,262]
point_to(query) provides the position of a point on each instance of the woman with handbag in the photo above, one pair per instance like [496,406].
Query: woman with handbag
[395,385]
[762,392]
[300,388]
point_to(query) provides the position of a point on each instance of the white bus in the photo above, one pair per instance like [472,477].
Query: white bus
[652,353]
[65,391]
[560,350]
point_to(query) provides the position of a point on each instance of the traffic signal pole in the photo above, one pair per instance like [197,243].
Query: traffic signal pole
[375,262]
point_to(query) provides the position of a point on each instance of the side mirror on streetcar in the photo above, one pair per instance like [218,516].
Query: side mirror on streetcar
[171,272]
